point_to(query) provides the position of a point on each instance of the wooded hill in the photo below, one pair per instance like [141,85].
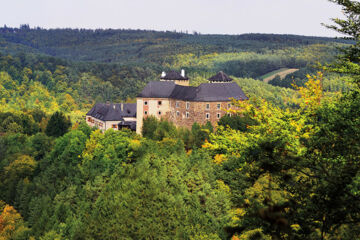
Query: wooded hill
[122,46]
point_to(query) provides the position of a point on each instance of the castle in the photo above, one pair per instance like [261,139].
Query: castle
[173,99]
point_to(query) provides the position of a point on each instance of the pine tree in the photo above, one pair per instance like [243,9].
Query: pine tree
[58,125]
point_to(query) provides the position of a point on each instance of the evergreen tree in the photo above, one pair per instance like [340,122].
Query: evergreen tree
[58,125]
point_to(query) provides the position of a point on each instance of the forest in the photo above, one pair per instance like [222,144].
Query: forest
[284,165]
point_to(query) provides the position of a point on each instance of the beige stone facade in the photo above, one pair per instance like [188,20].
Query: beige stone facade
[158,107]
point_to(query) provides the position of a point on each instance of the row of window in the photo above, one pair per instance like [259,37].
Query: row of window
[207,115]
[207,106]
[177,104]
[187,114]
[97,123]
[146,103]
[146,112]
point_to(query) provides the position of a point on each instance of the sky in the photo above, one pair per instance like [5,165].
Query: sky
[301,17]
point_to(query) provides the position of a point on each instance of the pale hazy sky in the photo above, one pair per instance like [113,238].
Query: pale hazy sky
[302,17]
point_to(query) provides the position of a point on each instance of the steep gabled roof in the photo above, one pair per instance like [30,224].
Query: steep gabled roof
[173,75]
[206,92]
[220,77]
[112,111]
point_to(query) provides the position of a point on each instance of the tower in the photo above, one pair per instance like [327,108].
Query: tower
[178,78]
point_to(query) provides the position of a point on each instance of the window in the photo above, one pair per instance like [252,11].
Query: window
[159,102]
[145,103]
[114,126]
[145,112]
[187,115]
[207,115]
[218,106]
[177,104]
[229,105]
[159,112]
[177,113]
[187,105]
[89,119]
[218,115]
[208,106]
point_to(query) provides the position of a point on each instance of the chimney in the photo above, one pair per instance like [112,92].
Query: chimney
[163,74]
[182,72]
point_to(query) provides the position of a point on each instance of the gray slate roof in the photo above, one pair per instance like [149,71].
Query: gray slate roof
[205,92]
[220,77]
[112,111]
[173,75]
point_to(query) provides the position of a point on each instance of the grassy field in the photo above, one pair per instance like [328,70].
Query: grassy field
[282,72]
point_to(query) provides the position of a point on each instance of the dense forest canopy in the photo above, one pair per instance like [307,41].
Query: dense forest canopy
[285,165]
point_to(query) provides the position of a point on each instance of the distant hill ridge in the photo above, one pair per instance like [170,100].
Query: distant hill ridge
[124,45]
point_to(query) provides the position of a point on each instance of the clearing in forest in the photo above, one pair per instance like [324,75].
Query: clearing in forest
[282,72]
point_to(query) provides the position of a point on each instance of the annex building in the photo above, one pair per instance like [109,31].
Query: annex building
[112,115]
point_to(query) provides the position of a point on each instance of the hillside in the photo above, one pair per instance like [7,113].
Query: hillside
[282,73]
[77,67]
[122,46]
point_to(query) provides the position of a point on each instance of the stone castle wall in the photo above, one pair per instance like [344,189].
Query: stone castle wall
[181,113]
[186,113]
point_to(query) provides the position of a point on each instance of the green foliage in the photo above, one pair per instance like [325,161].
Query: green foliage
[201,133]
[236,122]
[159,197]
[105,152]
[18,123]
[58,125]
[292,162]
[163,129]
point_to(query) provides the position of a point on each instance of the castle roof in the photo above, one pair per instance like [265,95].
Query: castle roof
[112,111]
[205,92]
[173,75]
[220,77]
